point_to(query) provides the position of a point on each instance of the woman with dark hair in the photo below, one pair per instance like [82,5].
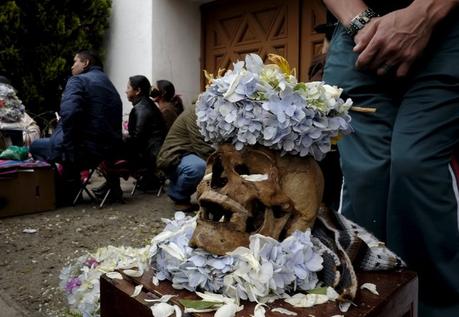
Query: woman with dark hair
[170,104]
[147,131]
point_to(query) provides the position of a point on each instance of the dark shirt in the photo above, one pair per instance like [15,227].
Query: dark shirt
[384,6]
[147,130]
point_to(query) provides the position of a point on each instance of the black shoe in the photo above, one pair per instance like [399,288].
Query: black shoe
[185,206]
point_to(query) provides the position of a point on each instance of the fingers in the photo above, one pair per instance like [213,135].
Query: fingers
[387,68]
[403,69]
[368,55]
[363,37]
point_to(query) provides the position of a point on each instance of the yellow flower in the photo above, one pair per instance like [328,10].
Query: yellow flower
[283,64]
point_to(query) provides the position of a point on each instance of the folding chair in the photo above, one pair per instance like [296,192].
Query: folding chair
[83,188]
[138,176]
[112,169]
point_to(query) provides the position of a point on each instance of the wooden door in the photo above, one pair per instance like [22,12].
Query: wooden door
[234,28]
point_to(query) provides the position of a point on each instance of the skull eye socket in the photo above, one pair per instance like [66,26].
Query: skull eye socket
[219,178]
[242,169]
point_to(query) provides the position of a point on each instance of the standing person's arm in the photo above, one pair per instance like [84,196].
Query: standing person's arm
[396,39]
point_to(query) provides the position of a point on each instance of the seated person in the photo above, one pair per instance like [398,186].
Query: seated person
[183,159]
[13,115]
[170,104]
[89,129]
[147,131]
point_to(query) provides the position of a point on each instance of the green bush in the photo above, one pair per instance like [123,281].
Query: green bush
[38,40]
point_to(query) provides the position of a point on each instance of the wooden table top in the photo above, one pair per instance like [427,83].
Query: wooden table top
[397,297]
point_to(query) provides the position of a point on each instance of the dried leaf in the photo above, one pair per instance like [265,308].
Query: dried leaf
[199,304]
[318,290]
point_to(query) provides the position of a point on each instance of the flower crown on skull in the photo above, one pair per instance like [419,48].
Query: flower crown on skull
[257,103]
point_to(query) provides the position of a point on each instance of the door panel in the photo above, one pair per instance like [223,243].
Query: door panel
[232,29]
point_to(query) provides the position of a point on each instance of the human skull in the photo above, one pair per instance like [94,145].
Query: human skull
[251,191]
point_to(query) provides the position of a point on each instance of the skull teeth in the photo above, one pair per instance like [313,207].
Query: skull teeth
[218,207]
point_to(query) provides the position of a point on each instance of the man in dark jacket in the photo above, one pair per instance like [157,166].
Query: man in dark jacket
[89,129]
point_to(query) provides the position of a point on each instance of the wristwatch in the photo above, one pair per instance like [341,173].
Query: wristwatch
[359,21]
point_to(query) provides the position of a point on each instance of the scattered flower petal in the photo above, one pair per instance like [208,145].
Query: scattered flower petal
[284,311]
[255,177]
[133,273]
[227,310]
[114,275]
[370,287]
[162,310]
[30,230]
[137,290]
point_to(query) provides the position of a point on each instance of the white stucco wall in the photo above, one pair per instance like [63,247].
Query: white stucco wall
[129,47]
[177,44]
[160,39]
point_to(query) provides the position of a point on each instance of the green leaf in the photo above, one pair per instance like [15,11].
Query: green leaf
[318,291]
[198,304]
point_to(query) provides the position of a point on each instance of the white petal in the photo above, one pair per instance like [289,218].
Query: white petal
[284,311]
[133,273]
[163,299]
[227,310]
[371,287]
[173,250]
[217,298]
[259,310]
[155,280]
[178,311]
[29,230]
[137,290]
[332,294]
[255,177]
[344,307]
[207,177]
[162,310]
[309,300]
[114,275]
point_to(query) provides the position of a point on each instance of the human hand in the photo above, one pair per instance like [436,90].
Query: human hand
[393,42]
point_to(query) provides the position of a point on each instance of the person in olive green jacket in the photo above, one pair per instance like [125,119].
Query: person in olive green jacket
[183,158]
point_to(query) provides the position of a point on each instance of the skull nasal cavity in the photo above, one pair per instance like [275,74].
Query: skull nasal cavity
[219,178]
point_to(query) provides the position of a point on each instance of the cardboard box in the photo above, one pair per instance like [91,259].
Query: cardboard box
[27,191]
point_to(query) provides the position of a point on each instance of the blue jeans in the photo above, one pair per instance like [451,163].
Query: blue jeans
[41,150]
[397,176]
[186,177]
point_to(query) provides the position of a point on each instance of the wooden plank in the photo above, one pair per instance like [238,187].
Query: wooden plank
[398,298]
